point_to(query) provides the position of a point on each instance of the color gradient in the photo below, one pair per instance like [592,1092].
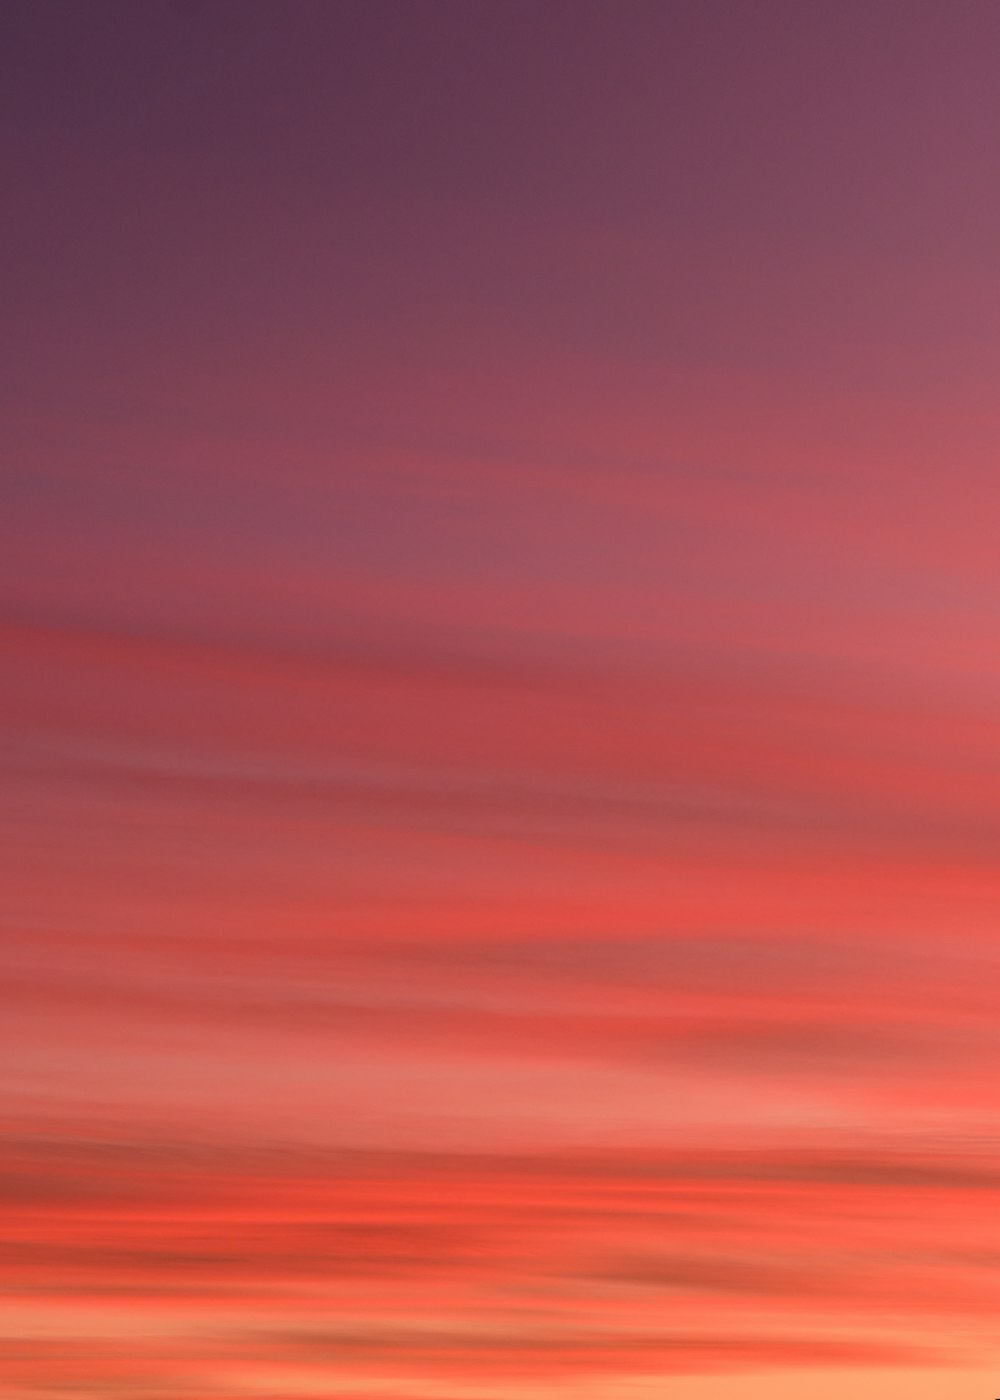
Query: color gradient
[500,787]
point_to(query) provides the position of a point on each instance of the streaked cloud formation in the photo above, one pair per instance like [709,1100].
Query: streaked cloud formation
[499,799]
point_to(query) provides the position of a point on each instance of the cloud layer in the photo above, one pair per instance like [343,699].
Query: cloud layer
[500,701]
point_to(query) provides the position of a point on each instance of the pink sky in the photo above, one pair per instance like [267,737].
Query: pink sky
[501,700]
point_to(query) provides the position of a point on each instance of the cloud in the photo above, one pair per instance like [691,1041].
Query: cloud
[555,1354]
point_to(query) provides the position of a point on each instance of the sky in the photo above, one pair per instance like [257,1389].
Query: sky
[499,803]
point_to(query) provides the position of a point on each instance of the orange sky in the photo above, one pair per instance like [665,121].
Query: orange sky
[498,618]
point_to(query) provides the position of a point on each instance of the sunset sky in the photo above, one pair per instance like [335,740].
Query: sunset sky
[500,679]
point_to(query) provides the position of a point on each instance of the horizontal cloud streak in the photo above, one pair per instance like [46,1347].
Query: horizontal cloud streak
[203,1233]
